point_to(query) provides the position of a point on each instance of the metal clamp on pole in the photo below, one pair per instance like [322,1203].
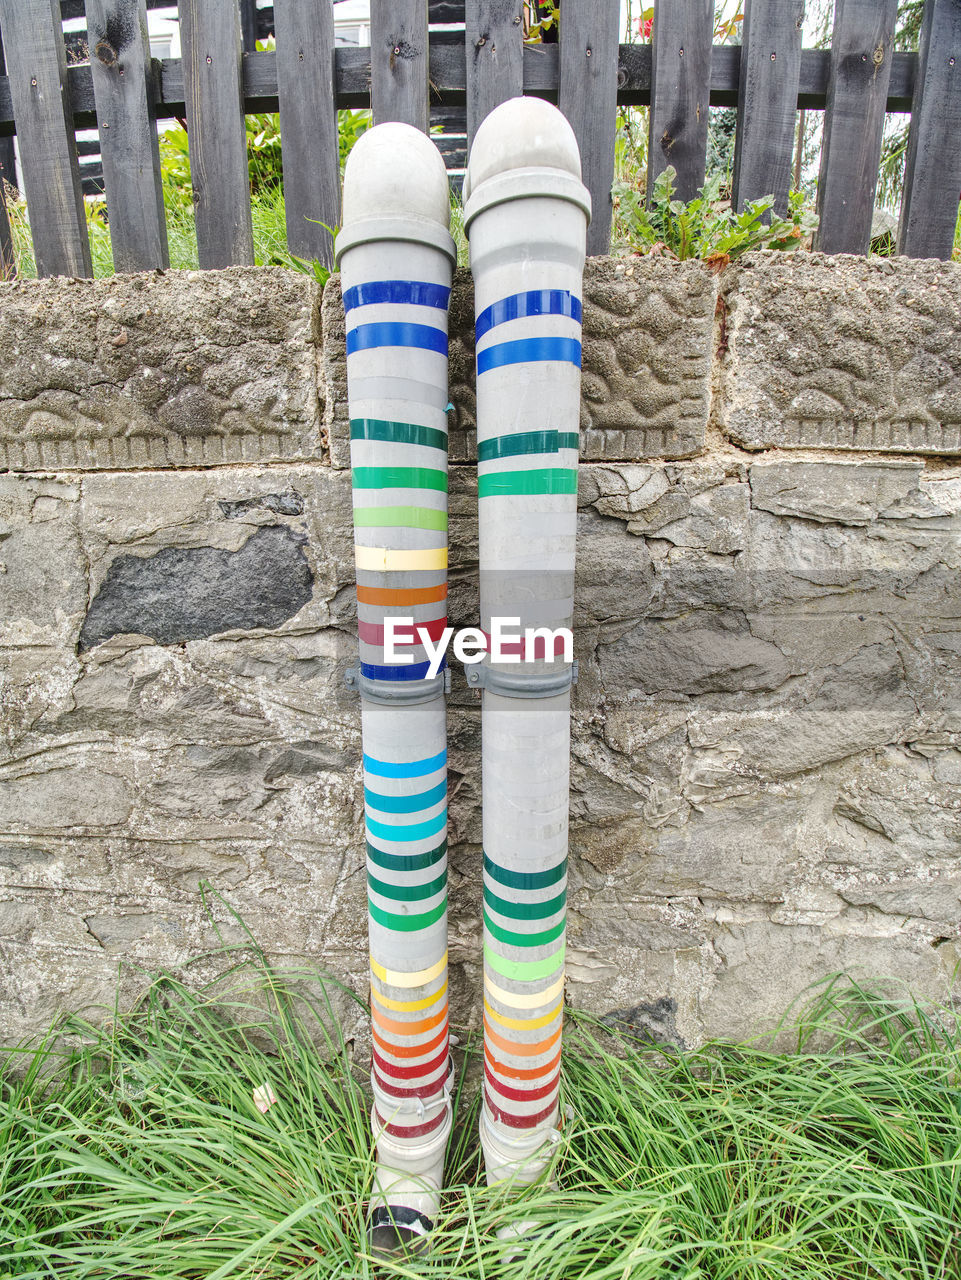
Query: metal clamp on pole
[515,684]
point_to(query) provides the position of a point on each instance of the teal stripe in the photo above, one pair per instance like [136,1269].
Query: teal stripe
[525,442]
[525,879]
[525,910]
[538,480]
[512,939]
[408,924]
[406,804]
[397,432]
[399,478]
[406,861]
[407,893]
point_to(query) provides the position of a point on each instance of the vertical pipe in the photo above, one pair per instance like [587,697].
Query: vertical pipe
[396,257]
[526,215]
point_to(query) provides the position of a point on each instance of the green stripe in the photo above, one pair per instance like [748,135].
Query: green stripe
[537,480]
[399,478]
[525,970]
[406,861]
[399,518]
[409,892]
[525,442]
[525,910]
[525,879]
[398,432]
[512,939]
[390,919]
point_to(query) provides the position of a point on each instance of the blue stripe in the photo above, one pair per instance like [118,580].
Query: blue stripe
[415,671]
[416,293]
[416,768]
[528,350]
[537,302]
[396,833]
[396,334]
[406,804]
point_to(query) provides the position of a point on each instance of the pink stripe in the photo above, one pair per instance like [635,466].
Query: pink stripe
[371,633]
[519,647]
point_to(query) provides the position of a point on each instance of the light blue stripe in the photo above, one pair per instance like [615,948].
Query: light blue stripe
[529,351]
[415,769]
[406,804]
[400,833]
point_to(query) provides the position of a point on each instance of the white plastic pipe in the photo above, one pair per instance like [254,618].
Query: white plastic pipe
[396,257]
[526,214]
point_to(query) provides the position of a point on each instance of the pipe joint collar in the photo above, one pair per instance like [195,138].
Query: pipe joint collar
[519,684]
[409,228]
[535,182]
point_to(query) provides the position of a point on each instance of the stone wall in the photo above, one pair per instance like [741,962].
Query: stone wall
[767,725]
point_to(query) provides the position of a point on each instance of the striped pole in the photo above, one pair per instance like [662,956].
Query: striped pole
[526,215]
[396,257]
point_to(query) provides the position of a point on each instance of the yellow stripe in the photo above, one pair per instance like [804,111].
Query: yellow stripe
[525,1024]
[409,1006]
[394,978]
[517,1000]
[387,560]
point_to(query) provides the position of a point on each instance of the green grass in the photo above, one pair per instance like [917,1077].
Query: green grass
[138,1152]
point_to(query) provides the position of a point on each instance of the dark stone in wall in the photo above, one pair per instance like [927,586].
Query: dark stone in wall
[188,594]
[652,1021]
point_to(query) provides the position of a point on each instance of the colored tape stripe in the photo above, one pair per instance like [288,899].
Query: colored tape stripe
[397,333]
[414,671]
[420,978]
[521,1073]
[512,939]
[525,910]
[397,1028]
[538,480]
[397,432]
[425,1091]
[524,970]
[409,1051]
[406,861]
[525,879]
[399,478]
[522,1095]
[413,1130]
[524,1024]
[515,1121]
[409,1073]
[390,560]
[403,831]
[397,597]
[535,302]
[415,293]
[524,999]
[516,1048]
[407,892]
[409,1006]
[399,518]
[407,924]
[371,633]
[525,351]
[525,442]
[406,804]
[405,769]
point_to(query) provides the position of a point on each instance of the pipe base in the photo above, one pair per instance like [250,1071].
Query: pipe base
[518,1159]
[408,1177]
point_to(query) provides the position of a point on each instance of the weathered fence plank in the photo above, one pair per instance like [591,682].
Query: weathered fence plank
[37,75]
[767,101]
[932,176]
[213,89]
[680,93]
[308,125]
[123,88]
[494,49]
[587,94]
[853,124]
[399,61]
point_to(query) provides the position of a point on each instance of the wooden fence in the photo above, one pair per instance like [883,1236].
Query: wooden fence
[413,70]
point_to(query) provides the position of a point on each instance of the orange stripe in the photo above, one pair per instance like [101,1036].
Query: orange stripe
[398,1028]
[410,1051]
[522,1073]
[517,1050]
[401,595]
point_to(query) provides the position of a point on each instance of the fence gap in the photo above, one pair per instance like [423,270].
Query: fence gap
[399,62]
[767,101]
[680,93]
[308,125]
[587,93]
[494,48]
[861,50]
[932,175]
[213,89]
[37,73]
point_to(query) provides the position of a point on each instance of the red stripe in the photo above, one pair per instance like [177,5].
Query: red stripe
[423,1091]
[413,1130]
[522,1095]
[371,633]
[410,1073]
[410,1051]
[517,1122]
